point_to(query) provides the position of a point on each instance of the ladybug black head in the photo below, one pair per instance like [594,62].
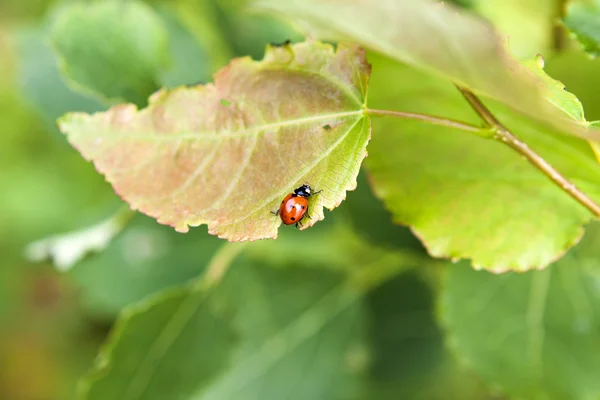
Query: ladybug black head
[303,191]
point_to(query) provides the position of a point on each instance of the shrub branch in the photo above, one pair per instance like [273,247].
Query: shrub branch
[502,134]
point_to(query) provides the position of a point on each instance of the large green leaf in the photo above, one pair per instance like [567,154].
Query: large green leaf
[366,267]
[534,334]
[166,347]
[583,20]
[437,38]
[302,326]
[113,48]
[302,335]
[468,197]
[226,154]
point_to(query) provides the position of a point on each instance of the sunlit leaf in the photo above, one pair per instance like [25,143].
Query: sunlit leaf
[114,48]
[468,197]
[226,154]
[534,334]
[583,20]
[437,38]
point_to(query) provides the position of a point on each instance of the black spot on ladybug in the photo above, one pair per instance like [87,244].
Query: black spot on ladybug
[303,207]
[293,219]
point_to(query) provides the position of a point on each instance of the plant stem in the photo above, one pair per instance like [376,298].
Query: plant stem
[220,263]
[433,120]
[502,134]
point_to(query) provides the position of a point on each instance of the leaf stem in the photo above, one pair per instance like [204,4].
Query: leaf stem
[220,263]
[433,120]
[502,134]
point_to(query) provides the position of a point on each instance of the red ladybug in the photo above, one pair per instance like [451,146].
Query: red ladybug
[295,206]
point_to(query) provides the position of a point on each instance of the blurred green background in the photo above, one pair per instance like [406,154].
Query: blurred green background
[52,324]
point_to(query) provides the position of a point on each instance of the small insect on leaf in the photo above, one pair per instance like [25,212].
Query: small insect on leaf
[225,154]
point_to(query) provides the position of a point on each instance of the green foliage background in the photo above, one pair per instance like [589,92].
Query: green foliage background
[353,308]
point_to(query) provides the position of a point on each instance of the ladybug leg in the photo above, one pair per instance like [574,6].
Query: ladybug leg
[275,213]
[299,223]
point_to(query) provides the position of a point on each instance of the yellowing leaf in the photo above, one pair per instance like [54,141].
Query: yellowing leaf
[226,154]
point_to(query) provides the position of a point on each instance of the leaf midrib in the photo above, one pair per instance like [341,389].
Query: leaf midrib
[254,364]
[229,134]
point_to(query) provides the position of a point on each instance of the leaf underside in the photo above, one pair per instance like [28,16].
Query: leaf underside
[437,38]
[225,154]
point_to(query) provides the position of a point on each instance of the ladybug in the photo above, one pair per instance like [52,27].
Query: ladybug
[294,206]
